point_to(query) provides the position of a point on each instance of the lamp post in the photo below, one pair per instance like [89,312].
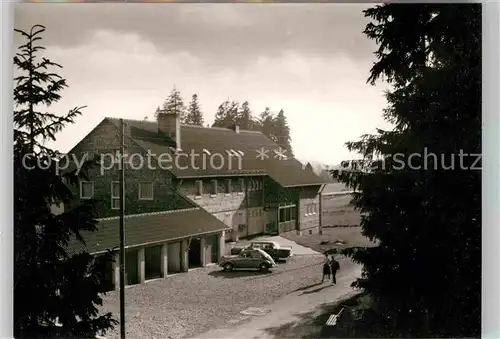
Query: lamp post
[122,232]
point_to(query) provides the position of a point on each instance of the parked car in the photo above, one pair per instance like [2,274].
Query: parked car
[248,259]
[276,251]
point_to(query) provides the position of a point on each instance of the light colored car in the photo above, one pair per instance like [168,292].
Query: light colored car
[248,259]
[272,248]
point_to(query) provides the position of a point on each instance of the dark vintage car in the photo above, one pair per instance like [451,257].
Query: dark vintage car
[276,251]
[248,259]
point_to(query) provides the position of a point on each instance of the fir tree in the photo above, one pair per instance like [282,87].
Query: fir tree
[244,118]
[194,115]
[424,275]
[174,104]
[282,132]
[49,282]
[266,124]
[226,115]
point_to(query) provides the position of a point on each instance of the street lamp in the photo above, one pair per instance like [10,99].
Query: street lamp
[122,231]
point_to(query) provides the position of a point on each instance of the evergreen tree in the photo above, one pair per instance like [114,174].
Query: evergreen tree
[255,123]
[226,115]
[424,275]
[282,132]
[309,167]
[158,110]
[221,116]
[244,118]
[266,124]
[174,104]
[194,115]
[49,282]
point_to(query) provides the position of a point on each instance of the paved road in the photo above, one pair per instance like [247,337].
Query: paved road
[286,310]
[187,304]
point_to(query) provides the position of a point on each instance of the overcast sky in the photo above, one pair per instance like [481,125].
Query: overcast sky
[311,60]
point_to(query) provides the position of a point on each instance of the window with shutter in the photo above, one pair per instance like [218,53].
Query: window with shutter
[242,185]
[146,191]
[86,189]
[115,195]
[238,186]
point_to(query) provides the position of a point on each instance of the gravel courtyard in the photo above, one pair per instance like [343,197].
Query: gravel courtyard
[187,304]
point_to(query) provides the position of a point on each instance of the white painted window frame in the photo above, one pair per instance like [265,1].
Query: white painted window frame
[152,191]
[115,197]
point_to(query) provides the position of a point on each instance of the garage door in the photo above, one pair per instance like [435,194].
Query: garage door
[153,260]
[131,269]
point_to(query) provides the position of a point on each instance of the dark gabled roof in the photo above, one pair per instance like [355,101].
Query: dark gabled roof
[148,228]
[196,139]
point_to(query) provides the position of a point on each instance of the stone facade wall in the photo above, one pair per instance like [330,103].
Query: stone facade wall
[213,203]
[309,211]
[103,141]
[257,219]
[235,207]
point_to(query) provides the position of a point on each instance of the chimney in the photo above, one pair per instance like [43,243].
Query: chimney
[169,124]
[237,128]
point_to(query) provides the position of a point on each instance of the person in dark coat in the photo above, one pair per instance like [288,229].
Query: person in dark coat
[327,269]
[335,266]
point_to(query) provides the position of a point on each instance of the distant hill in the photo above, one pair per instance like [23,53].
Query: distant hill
[322,170]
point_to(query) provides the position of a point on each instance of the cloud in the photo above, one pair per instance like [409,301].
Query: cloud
[222,16]
[122,60]
[225,35]
[325,98]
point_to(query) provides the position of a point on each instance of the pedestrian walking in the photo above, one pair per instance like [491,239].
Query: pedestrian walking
[327,269]
[335,266]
